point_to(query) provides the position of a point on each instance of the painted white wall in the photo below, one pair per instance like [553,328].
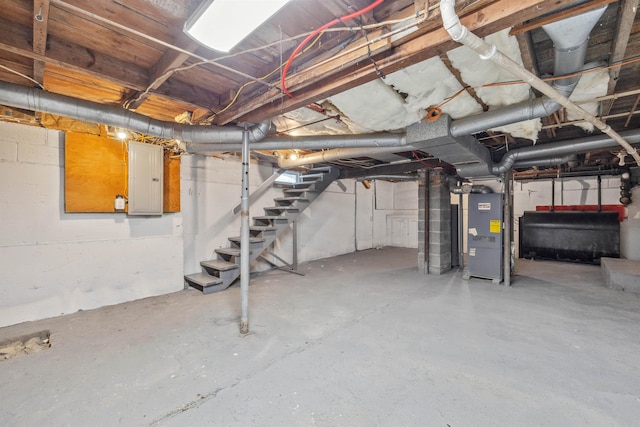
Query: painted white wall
[395,213]
[630,228]
[365,201]
[53,263]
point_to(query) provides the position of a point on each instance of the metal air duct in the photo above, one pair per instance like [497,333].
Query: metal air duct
[460,33]
[33,99]
[561,148]
[314,142]
[570,40]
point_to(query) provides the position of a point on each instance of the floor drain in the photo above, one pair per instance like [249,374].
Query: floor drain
[25,344]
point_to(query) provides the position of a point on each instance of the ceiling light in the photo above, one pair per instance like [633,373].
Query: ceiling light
[222,24]
[293,156]
[121,134]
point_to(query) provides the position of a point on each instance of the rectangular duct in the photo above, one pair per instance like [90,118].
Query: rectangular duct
[435,138]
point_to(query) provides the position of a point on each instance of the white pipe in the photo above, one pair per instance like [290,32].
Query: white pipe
[460,33]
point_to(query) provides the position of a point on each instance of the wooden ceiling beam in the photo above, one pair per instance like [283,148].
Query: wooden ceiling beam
[357,51]
[163,69]
[40,22]
[490,19]
[564,14]
[626,16]
[337,59]
[456,73]
[67,55]
[526,51]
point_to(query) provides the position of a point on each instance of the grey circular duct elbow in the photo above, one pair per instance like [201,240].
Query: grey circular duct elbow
[570,39]
[561,149]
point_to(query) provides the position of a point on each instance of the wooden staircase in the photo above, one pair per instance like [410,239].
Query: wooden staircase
[218,274]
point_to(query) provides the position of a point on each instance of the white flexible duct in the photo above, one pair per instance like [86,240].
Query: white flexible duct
[461,34]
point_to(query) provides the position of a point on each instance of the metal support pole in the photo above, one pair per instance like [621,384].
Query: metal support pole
[427,238]
[507,227]
[599,193]
[244,234]
[461,231]
[553,194]
[295,245]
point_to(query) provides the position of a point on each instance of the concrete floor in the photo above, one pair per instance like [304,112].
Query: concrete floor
[362,339]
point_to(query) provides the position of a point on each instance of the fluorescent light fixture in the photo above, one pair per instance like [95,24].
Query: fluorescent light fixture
[222,24]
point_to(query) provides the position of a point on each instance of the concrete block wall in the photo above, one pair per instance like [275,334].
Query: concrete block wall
[439,223]
[434,208]
[54,263]
[423,198]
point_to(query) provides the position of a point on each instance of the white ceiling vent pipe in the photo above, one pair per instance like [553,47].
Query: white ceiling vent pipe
[17,96]
[460,33]
[570,40]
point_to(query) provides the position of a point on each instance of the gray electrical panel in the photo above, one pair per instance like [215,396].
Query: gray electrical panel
[485,236]
[146,174]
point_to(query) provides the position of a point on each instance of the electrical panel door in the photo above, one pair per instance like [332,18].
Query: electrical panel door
[485,236]
[146,170]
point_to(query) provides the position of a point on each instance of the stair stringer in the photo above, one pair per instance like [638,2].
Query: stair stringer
[266,227]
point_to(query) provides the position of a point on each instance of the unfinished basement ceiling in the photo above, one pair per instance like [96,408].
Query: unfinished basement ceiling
[133,54]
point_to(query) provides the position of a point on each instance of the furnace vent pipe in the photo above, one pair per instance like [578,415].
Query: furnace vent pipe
[570,40]
[315,142]
[461,34]
[33,99]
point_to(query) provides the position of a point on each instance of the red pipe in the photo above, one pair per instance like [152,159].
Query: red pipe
[318,31]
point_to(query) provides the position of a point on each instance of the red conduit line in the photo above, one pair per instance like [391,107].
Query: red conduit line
[315,33]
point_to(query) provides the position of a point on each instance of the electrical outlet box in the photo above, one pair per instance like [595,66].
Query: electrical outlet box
[119,203]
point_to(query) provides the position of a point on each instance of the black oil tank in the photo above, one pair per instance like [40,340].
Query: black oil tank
[572,235]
